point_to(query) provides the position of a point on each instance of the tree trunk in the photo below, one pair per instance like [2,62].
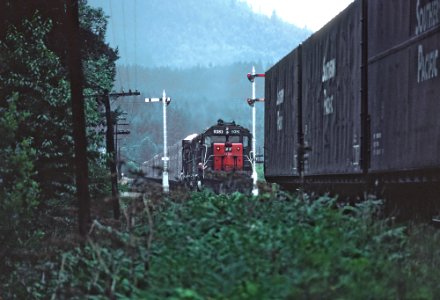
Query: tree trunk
[79,123]
[112,156]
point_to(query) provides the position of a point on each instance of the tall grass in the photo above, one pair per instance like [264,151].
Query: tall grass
[275,246]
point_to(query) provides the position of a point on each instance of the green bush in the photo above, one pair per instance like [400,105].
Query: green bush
[275,246]
[18,190]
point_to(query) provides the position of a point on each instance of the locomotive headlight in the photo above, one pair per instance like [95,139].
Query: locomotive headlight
[218,148]
[238,148]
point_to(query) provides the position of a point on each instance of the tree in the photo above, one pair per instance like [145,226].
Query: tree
[21,81]
[34,72]
[79,124]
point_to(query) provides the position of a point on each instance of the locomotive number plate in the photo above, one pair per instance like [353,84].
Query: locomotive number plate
[218,131]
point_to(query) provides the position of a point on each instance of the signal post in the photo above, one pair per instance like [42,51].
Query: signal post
[165,101]
[251,102]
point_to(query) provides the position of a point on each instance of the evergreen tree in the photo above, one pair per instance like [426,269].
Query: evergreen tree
[34,66]
[36,150]
[33,73]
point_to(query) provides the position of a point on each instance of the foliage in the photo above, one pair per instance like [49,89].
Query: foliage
[18,190]
[260,172]
[99,73]
[100,183]
[275,246]
[36,149]
[239,248]
[33,59]
[208,247]
[33,73]
[190,33]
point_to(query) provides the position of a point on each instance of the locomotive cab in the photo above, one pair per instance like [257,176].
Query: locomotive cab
[222,151]
[227,148]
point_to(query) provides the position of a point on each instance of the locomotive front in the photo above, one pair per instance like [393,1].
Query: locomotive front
[219,158]
[227,148]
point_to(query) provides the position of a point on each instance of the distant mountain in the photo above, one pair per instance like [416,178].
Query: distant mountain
[200,52]
[188,33]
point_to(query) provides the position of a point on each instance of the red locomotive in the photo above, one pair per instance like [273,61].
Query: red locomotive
[218,158]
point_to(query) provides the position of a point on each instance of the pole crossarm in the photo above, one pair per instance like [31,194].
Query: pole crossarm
[166,99]
[252,101]
[124,94]
[251,76]
[125,131]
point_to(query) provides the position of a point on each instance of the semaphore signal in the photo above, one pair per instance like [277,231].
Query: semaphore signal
[251,101]
[251,76]
[166,101]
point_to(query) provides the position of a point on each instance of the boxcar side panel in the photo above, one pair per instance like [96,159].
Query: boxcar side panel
[331,95]
[175,162]
[404,85]
[281,123]
[386,24]
[389,109]
[404,108]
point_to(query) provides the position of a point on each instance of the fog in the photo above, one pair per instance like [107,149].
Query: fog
[200,53]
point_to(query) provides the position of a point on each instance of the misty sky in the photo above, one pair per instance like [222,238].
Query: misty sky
[312,14]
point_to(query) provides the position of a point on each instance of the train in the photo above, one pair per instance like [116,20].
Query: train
[219,158]
[355,107]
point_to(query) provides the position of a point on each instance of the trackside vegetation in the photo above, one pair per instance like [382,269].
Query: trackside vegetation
[205,246]
[179,246]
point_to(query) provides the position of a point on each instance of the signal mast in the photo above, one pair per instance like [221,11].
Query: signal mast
[166,101]
[251,102]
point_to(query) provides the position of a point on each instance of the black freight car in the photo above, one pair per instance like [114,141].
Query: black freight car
[357,104]
[153,167]
[282,115]
[313,109]
[404,87]
[331,109]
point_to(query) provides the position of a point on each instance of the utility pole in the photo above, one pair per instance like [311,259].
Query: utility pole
[117,147]
[165,101]
[251,102]
[78,116]
[110,145]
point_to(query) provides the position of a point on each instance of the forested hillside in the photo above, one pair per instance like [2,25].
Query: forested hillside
[188,33]
[200,53]
[200,96]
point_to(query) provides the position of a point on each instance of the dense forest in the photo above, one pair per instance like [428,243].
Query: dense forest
[37,169]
